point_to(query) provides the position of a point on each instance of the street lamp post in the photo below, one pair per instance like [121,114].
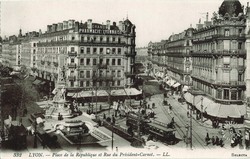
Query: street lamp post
[112,136]
[201,109]
[35,133]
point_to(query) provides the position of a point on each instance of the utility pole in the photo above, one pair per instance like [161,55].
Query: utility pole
[1,107]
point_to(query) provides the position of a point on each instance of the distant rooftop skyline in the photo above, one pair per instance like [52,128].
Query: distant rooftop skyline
[155,20]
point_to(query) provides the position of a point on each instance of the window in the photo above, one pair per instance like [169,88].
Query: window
[119,50]
[119,40]
[113,61]
[113,73]
[101,39]
[81,74]
[82,38]
[81,61]
[101,61]
[72,49]
[81,83]
[107,61]
[119,73]
[94,39]
[82,50]
[113,83]
[226,32]
[113,39]
[118,83]
[100,73]
[233,94]
[94,50]
[107,40]
[101,50]
[87,83]
[72,38]
[88,74]
[226,94]
[240,45]
[72,60]
[94,61]
[239,94]
[34,44]
[240,31]
[113,50]
[108,51]
[100,83]
[119,62]
[71,83]
[88,50]
[88,61]
[219,91]
[88,38]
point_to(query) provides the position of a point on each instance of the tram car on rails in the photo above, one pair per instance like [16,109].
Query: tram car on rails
[160,131]
[132,121]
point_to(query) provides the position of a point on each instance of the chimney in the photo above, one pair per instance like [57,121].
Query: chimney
[89,24]
[53,28]
[65,25]
[76,26]
[207,17]
[114,24]
[120,25]
[49,28]
[108,24]
[71,24]
[40,32]
[59,26]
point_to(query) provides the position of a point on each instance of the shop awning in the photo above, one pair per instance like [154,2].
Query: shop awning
[37,82]
[176,85]
[104,93]
[126,92]
[215,109]
[192,99]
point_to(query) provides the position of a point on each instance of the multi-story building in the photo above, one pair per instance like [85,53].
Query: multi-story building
[85,51]
[212,58]
[178,59]
[219,56]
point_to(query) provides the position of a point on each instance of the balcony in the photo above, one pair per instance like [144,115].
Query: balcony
[231,83]
[102,78]
[218,52]
[72,65]
[71,78]
[130,54]
[129,74]
[102,66]
[72,53]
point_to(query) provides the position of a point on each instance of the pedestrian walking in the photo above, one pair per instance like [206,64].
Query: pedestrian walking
[217,141]
[221,143]
[213,140]
[207,139]
[172,120]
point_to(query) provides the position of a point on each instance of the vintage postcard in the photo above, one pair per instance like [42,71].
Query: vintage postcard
[124,79]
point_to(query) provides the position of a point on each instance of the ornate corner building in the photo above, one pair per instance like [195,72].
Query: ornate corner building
[212,59]
[85,51]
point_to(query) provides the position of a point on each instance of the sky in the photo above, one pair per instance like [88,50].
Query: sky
[155,20]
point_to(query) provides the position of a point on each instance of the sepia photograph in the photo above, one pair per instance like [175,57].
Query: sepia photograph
[123,79]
